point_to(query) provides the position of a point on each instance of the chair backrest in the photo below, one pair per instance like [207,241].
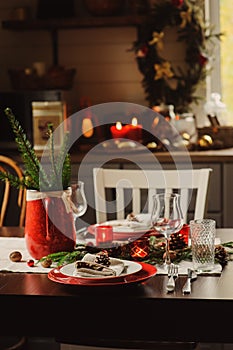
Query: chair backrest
[11,199]
[117,191]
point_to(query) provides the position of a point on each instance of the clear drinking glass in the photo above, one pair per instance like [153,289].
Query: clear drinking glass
[203,244]
[78,198]
[167,217]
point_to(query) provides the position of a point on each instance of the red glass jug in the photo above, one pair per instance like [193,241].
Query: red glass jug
[49,223]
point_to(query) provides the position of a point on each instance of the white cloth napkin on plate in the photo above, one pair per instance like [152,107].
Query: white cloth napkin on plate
[96,270]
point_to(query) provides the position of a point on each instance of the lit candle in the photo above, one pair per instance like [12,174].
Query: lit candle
[140,248]
[119,131]
[87,127]
[103,235]
[135,130]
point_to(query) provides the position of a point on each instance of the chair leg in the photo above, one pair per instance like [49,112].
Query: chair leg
[13,343]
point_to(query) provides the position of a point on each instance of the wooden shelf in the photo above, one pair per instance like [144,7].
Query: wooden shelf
[53,25]
[72,23]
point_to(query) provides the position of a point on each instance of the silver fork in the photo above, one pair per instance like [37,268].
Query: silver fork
[172,275]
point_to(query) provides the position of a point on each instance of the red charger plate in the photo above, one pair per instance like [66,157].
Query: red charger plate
[145,273]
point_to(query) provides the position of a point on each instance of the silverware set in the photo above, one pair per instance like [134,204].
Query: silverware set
[172,276]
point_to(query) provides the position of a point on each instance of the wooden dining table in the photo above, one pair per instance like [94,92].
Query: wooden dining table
[75,314]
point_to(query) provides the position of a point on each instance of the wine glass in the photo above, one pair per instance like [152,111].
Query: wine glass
[167,217]
[78,198]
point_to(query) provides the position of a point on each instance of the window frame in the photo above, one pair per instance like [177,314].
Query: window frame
[212,15]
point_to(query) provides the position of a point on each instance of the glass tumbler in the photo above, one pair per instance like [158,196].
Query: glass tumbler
[202,233]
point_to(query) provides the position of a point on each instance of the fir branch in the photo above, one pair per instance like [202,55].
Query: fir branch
[15,181]
[54,175]
[66,174]
[31,162]
[35,176]
[63,258]
[64,162]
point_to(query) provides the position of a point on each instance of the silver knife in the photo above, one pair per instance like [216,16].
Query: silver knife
[191,276]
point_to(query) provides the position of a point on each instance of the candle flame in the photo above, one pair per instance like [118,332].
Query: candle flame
[155,122]
[118,126]
[87,127]
[134,121]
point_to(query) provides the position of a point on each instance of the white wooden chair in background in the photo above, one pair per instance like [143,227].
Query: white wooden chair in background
[192,184]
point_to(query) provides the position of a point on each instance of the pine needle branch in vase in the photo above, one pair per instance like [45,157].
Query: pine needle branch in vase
[31,161]
[35,176]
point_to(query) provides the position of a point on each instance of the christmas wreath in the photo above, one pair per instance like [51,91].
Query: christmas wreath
[164,82]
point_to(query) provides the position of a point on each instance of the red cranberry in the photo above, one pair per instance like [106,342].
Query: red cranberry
[30,263]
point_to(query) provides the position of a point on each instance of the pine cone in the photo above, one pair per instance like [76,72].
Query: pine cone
[177,241]
[103,258]
[221,255]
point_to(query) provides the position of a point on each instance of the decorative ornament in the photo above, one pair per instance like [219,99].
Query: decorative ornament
[157,40]
[177,3]
[142,52]
[163,70]
[186,18]
[177,241]
[221,255]
[163,81]
[102,258]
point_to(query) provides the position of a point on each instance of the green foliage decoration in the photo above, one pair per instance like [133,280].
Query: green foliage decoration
[35,176]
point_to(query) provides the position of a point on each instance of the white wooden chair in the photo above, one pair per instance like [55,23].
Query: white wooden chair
[128,186]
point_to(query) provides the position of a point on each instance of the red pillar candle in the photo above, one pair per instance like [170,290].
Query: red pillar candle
[103,235]
[135,130]
[119,131]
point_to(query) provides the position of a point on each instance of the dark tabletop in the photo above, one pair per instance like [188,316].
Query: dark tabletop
[71,312]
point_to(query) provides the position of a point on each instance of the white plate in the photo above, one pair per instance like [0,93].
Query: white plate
[132,267]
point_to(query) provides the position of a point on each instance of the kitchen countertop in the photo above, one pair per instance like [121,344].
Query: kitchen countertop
[77,155]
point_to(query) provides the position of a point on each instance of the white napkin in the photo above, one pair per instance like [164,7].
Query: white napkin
[96,270]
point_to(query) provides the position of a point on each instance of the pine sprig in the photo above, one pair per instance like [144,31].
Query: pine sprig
[52,155]
[63,162]
[14,180]
[31,161]
[63,258]
[35,176]
[66,173]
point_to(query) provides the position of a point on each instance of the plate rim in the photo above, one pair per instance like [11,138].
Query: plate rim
[94,279]
[144,274]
